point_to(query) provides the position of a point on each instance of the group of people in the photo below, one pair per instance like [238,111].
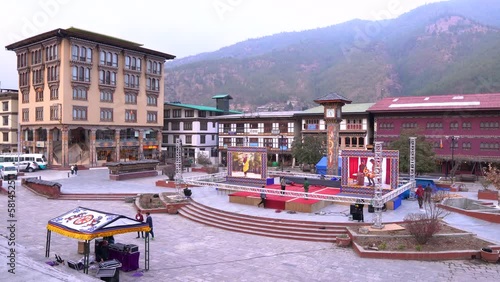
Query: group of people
[423,195]
[364,171]
[74,169]
[149,221]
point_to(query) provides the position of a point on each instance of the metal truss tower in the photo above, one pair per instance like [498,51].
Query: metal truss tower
[178,165]
[378,201]
[413,143]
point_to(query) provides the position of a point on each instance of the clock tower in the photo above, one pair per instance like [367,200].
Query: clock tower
[333,104]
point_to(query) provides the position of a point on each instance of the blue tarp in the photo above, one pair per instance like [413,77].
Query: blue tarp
[321,166]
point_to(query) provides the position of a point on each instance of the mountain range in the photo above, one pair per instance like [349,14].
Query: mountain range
[448,47]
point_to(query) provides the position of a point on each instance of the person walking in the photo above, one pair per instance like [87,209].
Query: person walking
[262,198]
[306,186]
[75,168]
[427,193]
[283,185]
[149,220]
[139,217]
[420,196]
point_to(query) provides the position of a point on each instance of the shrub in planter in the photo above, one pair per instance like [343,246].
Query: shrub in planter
[488,255]
[343,240]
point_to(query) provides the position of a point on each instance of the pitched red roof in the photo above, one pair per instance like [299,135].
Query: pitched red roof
[462,102]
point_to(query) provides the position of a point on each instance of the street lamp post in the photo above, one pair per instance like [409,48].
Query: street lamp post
[453,139]
[281,148]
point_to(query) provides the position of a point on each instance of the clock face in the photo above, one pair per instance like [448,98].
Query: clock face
[330,113]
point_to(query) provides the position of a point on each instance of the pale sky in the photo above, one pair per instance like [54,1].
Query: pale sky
[182,27]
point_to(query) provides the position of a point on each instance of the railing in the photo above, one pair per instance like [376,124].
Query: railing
[198,181]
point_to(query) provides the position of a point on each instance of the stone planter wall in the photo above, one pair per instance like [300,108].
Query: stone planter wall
[490,257]
[487,195]
[49,189]
[343,241]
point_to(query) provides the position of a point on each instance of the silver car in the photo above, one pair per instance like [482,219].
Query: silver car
[27,166]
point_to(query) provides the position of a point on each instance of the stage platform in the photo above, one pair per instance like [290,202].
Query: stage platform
[279,202]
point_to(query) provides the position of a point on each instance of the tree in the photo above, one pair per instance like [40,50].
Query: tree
[424,152]
[309,150]
[492,176]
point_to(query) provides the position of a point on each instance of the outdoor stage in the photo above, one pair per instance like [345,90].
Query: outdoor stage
[279,202]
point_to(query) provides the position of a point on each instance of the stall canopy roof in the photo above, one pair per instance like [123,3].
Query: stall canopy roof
[87,224]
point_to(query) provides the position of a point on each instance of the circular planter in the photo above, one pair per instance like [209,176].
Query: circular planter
[343,241]
[489,256]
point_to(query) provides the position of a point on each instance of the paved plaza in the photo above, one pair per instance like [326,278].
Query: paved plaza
[188,251]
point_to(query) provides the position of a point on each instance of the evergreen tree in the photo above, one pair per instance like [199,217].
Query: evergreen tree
[424,152]
[309,150]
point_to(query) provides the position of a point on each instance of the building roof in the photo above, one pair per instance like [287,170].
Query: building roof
[221,96]
[199,107]
[87,35]
[283,114]
[357,108]
[462,102]
[332,97]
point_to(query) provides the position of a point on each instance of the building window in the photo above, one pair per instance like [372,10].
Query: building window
[39,113]
[107,77]
[130,115]
[24,78]
[153,84]
[26,115]
[153,67]
[152,117]
[5,120]
[176,113]
[409,125]
[106,114]
[51,52]
[53,73]
[152,100]
[108,59]
[54,93]
[203,125]
[268,142]
[202,113]
[454,125]
[54,112]
[106,96]
[133,63]
[38,76]
[466,146]
[240,128]
[79,113]
[226,127]
[203,139]
[268,127]
[79,94]
[167,113]
[81,74]
[5,106]
[189,139]
[386,125]
[5,137]
[189,113]
[22,60]
[466,125]
[26,97]
[176,125]
[130,98]
[81,53]
[489,125]
[434,125]
[131,80]
[39,96]
[188,125]
[489,146]
[36,57]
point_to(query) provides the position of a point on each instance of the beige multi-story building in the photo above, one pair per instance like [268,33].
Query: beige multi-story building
[9,115]
[89,98]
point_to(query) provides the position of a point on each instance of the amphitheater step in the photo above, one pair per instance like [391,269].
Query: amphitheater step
[270,227]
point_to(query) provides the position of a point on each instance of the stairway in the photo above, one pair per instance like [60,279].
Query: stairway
[271,227]
[96,197]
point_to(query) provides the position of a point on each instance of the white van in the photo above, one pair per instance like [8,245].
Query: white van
[8,172]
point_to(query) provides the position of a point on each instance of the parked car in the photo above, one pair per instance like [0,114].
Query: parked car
[27,166]
[8,172]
